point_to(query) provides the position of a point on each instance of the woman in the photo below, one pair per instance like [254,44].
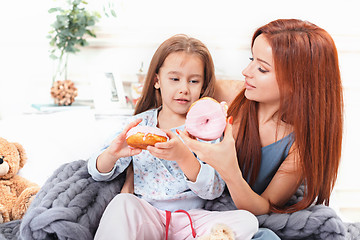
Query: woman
[285,126]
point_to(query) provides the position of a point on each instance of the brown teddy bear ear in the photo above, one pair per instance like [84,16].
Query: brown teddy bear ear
[22,154]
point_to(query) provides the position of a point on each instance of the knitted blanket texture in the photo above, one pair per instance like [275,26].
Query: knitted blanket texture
[70,205]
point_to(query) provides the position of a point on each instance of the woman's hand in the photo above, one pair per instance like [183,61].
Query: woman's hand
[117,149]
[221,156]
[176,150]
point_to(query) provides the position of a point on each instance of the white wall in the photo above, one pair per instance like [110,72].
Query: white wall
[142,25]
[131,38]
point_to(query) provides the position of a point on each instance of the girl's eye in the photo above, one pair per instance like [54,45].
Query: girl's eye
[174,79]
[194,81]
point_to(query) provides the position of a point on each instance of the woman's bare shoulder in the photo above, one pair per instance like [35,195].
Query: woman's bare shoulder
[227,89]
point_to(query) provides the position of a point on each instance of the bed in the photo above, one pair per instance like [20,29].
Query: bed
[70,205]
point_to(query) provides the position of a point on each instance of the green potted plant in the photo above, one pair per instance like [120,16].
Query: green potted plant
[68,33]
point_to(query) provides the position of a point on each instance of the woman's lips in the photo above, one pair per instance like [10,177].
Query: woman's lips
[248,85]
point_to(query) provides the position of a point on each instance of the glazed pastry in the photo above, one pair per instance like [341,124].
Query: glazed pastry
[143,136]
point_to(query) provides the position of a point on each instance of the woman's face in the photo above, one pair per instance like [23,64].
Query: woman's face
[260,80]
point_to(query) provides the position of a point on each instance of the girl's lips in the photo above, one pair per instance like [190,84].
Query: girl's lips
[182,101]
[249,86]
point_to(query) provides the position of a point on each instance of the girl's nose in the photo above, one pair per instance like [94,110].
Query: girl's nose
[184,87]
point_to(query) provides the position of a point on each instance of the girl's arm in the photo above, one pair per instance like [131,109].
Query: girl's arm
[222,157]
[117,149]
[101,166]
[176,150]
[128,186]
[202,179]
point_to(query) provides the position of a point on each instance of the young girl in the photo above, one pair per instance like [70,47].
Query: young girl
[171,185]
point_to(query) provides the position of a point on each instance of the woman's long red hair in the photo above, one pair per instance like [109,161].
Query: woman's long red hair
[307,71]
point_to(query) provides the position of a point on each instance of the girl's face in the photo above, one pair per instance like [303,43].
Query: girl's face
[180,80]
[260,80]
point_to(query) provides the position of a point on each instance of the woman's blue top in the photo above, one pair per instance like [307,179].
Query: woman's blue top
[271,158]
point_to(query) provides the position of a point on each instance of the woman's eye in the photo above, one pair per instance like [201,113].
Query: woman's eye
[262,70]
[174,79]
[259,68]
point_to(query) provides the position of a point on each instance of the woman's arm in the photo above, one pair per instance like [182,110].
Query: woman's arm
[223,158]
[283,185]
[285,182]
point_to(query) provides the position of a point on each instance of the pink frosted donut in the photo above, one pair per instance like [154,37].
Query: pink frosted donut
[206,119]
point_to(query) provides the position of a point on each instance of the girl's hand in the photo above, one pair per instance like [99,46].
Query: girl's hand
[221,156]
[173,149]
[119,148]
[176,150]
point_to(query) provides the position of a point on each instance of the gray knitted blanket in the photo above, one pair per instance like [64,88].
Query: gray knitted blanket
[70,205]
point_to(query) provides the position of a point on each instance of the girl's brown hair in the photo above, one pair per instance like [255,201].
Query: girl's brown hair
[150,97]
[311,101]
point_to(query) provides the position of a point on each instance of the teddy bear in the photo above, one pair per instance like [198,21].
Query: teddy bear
[219,232]
[16,192]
